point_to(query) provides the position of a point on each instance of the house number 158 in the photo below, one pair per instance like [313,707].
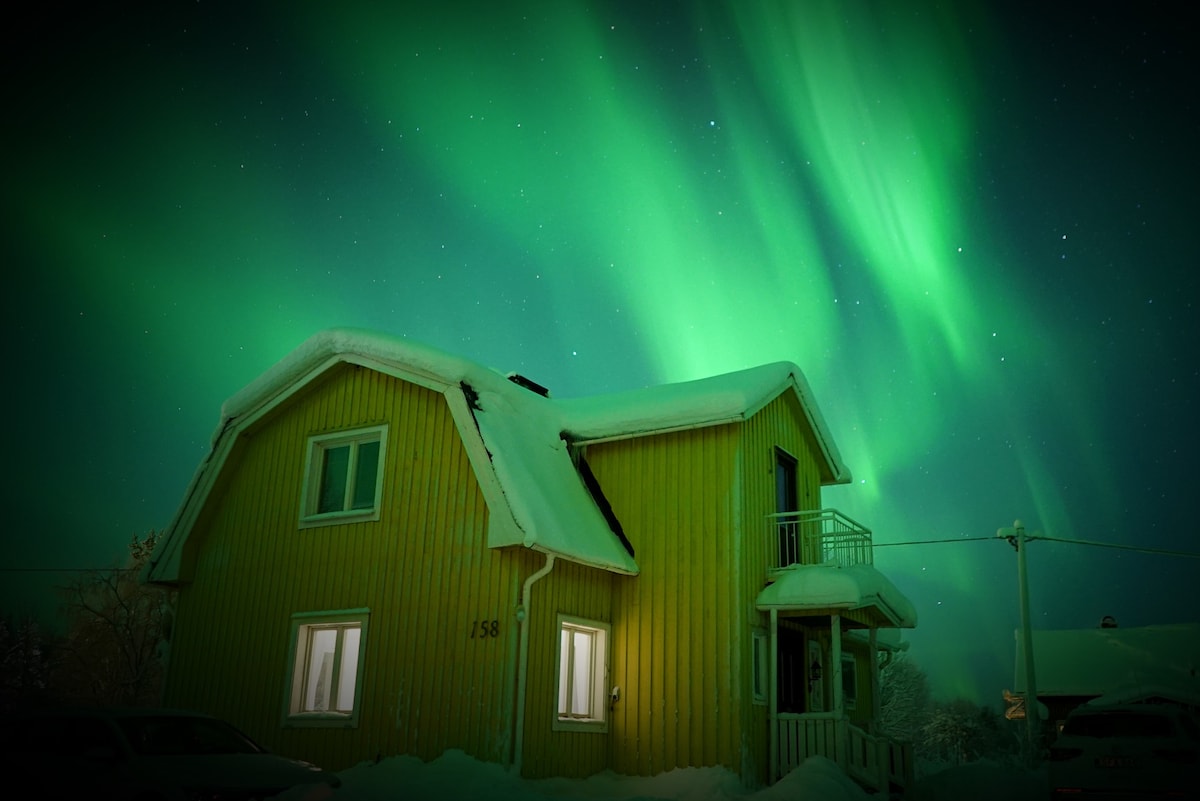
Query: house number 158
[485,628]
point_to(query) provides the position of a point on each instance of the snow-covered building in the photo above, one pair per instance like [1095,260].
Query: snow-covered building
[1111,664]
[391,550]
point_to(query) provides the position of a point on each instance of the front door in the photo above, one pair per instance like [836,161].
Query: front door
[816,678]
[791,671]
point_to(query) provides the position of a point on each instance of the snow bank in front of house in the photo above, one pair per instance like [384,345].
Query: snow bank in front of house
[456,775]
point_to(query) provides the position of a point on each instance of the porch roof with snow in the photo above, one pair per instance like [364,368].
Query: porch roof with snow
[829,586]
[517,439]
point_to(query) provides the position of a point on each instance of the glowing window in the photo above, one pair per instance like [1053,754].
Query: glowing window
[582,675]
[344,477]
[326,667]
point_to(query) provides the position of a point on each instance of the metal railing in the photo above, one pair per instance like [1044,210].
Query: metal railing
[816,536]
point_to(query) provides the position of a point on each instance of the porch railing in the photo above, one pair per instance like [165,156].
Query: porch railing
[816,536]
[874,761]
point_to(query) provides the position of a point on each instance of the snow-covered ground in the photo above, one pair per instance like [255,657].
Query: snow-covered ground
[456,775]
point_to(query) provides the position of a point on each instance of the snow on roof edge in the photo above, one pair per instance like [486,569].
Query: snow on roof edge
[713,400]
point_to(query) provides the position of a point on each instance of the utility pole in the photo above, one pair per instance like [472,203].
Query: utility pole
[1016,537]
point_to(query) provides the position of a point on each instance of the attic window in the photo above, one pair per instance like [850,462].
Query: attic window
[343,477]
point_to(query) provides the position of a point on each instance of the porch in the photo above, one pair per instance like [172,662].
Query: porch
[810,691]
[874,761]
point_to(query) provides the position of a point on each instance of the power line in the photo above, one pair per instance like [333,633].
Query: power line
[929,542]
[1138,548]
[65,569]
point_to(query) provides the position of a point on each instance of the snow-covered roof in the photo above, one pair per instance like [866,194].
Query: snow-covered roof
[1125,662]
[516,438]
[830,585]
[718,399]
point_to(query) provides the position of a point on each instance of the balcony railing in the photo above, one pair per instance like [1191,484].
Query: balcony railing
[817,536]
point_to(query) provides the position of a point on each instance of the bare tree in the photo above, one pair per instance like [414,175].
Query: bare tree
[115,628]
[904,699]
[961,731]
[25,659]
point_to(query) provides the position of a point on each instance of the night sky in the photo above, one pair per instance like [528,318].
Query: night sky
[972,226]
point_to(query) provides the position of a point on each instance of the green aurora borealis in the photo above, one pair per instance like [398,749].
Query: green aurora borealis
[969,224]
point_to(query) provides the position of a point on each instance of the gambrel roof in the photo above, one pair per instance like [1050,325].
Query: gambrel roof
[517,439]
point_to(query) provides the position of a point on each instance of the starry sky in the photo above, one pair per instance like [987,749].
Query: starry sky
[970,224]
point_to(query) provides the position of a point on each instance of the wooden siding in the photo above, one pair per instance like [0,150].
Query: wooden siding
[582,592]
[693,503]
[423,570]
[779,424]
[676,637]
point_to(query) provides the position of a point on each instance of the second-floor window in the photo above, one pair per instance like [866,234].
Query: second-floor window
[786,500]
[344,476]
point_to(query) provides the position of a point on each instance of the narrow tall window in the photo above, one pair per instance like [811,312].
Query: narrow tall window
[582,673]
[849,681]
[786,500]
[759,669]
[326,668]
[343,478]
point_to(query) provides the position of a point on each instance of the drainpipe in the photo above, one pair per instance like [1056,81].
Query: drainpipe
[523,660]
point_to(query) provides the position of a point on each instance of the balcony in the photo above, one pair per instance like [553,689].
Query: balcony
[815,537]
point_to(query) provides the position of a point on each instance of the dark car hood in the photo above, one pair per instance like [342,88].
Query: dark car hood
[229,771]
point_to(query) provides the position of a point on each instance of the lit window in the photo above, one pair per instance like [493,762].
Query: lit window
[326,667]
[582,671]
[344,476]
[759,669]
[849,681]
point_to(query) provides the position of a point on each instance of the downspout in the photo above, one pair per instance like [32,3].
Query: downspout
[523,660]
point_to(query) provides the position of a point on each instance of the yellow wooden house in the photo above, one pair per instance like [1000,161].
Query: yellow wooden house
[392,550]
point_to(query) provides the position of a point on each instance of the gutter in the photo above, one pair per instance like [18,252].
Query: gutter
[523,660]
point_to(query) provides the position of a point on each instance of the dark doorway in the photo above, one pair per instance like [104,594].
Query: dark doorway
[792,670]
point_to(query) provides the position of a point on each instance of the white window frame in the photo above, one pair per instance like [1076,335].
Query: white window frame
[595,684]
[315,452]
[304,627]
[849,669]
[760,669]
